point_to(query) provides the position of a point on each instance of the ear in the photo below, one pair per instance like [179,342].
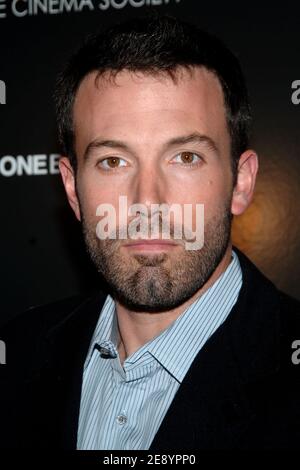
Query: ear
[68,177]
[246,178]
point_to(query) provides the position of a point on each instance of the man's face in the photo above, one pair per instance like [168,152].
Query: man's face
[145,113]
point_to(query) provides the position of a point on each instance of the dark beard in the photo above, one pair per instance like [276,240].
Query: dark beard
[151,283]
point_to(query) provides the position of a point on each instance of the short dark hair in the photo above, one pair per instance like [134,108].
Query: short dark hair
[154,44]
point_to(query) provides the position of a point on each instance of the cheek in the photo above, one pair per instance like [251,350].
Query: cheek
[91,194]
[214,193]
[206,189]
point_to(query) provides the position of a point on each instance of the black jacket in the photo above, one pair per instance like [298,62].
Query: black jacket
[241,392]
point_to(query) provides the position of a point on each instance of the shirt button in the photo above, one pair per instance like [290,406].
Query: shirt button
[121,419]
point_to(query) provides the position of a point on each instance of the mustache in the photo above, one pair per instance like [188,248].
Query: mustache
[154,227]
[176,233]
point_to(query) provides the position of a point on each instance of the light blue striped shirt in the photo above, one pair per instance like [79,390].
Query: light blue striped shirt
[122,407]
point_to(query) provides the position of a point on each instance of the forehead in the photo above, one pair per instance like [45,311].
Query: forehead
[149,103]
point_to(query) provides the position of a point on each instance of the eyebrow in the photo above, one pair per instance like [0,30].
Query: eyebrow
[194,138]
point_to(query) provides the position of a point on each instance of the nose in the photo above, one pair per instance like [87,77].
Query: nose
[149,187]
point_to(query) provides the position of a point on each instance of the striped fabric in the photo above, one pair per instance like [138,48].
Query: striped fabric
[122,407]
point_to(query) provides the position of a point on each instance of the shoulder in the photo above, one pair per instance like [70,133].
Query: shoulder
[42,317]
[289,306]
[23,333]
[265,309]
[260,288]
[289,319]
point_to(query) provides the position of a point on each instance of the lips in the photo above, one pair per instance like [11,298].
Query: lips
[154,244]
[150,242]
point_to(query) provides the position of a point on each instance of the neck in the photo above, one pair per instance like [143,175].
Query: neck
[137,328]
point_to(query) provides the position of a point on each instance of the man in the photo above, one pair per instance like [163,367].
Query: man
[184,348]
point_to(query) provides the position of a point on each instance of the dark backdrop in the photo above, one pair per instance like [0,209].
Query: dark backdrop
[42,254]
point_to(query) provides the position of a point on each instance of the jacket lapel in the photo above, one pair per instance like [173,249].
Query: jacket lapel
[56,385]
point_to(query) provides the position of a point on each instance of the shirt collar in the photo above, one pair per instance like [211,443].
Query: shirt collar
[105,330]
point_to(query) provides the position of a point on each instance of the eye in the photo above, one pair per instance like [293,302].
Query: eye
[110,163]
[187,158]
